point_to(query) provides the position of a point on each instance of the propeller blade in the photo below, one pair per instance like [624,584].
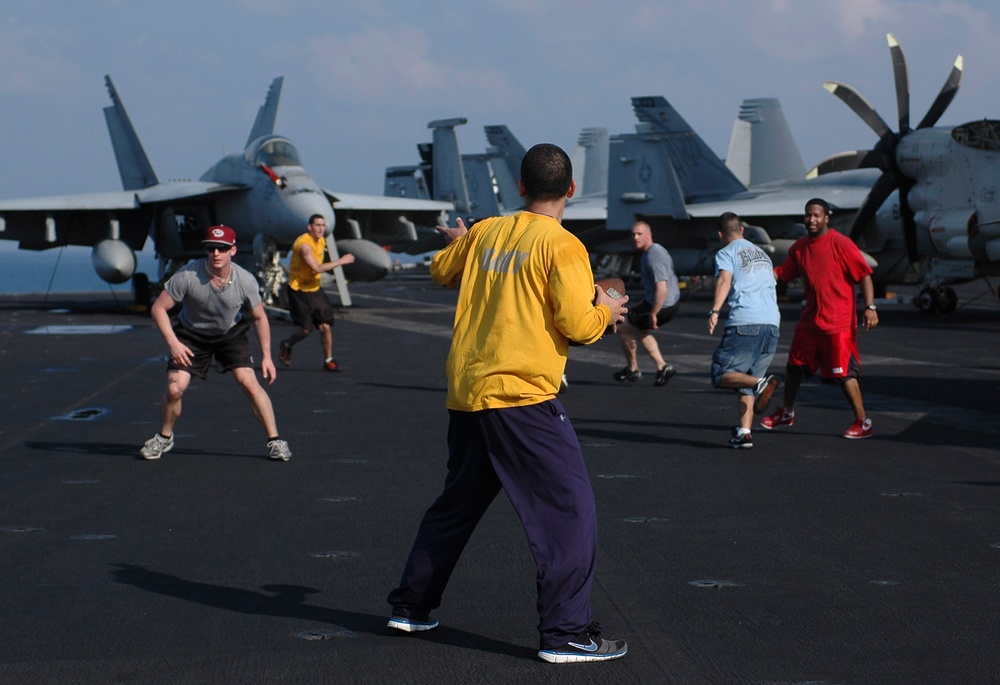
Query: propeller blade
[944,98]
[902,80]
[861,107]
[882,189]
[845,161]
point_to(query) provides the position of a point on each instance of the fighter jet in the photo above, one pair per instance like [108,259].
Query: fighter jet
[666,175]
[263,193]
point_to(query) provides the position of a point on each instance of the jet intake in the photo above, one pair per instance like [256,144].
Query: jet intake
[114,261]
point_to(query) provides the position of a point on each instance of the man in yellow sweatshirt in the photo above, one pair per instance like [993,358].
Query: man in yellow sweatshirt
[526,290]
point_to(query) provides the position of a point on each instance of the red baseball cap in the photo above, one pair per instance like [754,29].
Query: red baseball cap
[222,235]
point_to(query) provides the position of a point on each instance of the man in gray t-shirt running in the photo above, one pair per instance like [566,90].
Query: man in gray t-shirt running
[661,300]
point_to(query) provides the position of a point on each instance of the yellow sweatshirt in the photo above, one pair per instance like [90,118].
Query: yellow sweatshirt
[526,289]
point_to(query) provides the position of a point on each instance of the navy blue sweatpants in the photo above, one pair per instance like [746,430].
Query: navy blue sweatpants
[534,455]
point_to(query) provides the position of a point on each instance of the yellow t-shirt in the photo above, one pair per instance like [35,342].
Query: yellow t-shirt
[526,290]
[300,276]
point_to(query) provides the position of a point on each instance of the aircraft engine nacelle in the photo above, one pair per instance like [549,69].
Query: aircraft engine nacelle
[949,231]
[114,260]
[371,262]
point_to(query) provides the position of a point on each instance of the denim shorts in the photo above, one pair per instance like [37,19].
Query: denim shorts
[744,349]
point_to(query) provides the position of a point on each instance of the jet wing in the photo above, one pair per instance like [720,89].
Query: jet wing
[845,194]
[45,222]
[388,221]
[383,203]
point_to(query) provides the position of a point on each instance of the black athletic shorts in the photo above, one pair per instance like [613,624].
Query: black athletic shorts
[231,350]
[638,315]
[309,310]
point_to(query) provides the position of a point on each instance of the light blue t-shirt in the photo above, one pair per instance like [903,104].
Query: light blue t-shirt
[752,298]
[657,265]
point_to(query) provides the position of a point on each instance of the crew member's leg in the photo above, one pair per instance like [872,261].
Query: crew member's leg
[626,338]
[538,458]
[260,402]
[170,409]
[469,489]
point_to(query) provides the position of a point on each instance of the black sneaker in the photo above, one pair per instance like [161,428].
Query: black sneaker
[414,623]
[741,442]
[664,375]
[587,646]
[628,374]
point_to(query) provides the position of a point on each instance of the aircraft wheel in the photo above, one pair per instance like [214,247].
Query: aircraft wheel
[947,300]
[927,301]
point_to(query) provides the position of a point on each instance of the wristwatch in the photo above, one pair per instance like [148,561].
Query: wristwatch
[713,311]
[871,307]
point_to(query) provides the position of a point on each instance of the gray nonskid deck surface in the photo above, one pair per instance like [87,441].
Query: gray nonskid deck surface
[808,559]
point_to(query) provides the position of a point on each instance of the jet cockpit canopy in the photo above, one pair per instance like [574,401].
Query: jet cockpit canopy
[272,151]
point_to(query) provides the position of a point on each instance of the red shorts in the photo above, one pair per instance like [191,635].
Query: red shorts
[834,354]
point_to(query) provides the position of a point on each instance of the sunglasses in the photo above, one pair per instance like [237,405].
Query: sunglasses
[218,248]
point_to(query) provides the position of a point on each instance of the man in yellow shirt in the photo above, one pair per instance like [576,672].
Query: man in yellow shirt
[526,290]
[308,304]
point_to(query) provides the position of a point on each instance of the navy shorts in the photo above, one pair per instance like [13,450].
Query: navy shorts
[744,349]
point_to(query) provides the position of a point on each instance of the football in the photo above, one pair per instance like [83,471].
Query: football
[614,287]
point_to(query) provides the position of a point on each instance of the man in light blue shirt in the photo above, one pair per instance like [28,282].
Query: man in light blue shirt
[744,278]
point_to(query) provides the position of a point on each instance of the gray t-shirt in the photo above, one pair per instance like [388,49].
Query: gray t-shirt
[209,310]
[658,266]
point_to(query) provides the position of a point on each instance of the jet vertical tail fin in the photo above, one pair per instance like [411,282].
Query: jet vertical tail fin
[479,180]
[263,125]
[133,164]
[762,149]
[702,175]
[509,146]
[448,182]
[590,162]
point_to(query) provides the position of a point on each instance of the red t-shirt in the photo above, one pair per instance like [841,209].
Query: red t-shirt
[829,267]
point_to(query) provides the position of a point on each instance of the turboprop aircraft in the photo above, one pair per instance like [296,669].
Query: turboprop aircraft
[935,208]
[263,193]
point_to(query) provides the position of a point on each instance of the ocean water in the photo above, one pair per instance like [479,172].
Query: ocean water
[60,270]
[70,270]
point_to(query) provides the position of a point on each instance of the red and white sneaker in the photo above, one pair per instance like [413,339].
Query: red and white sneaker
[859,429]
[782,417]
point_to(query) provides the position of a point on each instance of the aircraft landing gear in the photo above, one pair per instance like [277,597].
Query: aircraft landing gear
[942,300]
[270,271]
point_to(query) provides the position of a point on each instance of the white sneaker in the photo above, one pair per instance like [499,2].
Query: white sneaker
[279,450]
[156,446]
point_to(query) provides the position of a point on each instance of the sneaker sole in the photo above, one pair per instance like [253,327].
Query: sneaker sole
[764,399]
[777,425]
[577,657]
[157,455]
[408,626]
[857,437]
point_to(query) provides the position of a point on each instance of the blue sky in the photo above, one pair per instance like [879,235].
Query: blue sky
[362,79]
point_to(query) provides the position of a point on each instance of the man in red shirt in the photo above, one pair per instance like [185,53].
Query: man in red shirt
[830,265]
